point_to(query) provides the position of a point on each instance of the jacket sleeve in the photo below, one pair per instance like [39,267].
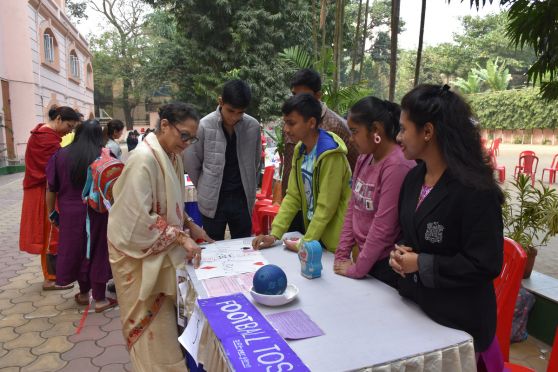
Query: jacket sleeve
[290,205]
[331,188]
[480,259]
[384,229]
[193,157]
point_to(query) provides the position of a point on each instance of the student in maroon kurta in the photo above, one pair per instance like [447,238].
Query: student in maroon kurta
[66,174]
[37,236]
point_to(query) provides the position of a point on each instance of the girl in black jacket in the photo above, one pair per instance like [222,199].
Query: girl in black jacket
[450,214]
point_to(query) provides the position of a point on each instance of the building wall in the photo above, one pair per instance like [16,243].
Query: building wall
[35,85]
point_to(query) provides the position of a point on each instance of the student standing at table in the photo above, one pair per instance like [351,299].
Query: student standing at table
[147,240]
[225,163]
[371,221]
[319,180]
[451,216]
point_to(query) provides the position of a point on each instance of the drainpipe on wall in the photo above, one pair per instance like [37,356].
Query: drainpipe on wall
[39,40]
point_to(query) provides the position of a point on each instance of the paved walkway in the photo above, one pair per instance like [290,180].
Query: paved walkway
[40,330]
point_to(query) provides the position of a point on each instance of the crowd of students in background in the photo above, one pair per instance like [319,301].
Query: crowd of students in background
[381,189]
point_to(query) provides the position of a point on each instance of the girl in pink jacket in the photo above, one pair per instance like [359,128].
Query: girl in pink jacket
[371,222]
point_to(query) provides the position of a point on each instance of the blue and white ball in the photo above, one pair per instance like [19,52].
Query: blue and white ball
[270,280]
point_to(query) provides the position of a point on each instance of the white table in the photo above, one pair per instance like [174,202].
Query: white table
[367,325]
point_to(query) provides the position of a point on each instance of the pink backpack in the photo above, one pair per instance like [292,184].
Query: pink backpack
[101,175]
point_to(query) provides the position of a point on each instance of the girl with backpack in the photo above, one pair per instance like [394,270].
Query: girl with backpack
[66,175]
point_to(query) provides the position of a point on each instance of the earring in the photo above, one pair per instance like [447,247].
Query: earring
[377,139]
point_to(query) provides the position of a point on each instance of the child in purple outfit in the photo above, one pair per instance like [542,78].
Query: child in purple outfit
[371,222]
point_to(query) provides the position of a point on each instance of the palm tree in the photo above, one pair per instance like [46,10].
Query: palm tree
[395,7]
[419,49]
[496,77]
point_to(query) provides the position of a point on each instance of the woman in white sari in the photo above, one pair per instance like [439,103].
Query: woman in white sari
[147,241]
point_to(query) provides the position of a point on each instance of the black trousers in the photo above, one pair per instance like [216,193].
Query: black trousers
[232,209]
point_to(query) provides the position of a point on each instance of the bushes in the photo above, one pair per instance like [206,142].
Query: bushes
[514,109]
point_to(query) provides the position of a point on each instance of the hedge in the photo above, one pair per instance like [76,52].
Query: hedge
[514,109]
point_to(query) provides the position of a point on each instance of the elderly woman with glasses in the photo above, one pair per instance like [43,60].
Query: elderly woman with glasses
[147,240]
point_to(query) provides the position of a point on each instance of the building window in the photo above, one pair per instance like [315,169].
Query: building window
[74,65]
[49,50]
[49,47]
[89,76]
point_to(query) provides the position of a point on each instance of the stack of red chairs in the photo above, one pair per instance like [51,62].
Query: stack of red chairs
[263,200]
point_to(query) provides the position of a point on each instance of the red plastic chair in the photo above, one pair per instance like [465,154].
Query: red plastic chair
[498,168]
[267,183]
[266,216]
[495,147]
[552,362]
[506,287]
[551,171]
[528,163]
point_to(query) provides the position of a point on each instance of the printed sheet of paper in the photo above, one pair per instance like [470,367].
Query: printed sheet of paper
[227,285]
[294,325]
[228,258]
[190,338]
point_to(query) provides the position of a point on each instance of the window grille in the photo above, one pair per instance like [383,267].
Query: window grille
[49,47]
[74,65]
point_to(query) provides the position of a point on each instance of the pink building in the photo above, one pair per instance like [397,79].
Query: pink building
[43,61]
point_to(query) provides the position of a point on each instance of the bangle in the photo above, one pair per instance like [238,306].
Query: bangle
[189,219]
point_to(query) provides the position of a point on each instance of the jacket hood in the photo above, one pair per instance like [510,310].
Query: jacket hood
[327,142]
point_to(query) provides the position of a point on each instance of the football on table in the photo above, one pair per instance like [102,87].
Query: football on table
[270,280]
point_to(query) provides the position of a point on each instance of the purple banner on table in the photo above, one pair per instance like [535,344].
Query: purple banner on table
[249,341]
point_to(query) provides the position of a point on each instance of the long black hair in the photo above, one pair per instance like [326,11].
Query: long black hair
[456,134]
[85,148]
[371,109]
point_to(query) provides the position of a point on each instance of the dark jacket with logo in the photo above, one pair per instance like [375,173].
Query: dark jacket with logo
[458,233]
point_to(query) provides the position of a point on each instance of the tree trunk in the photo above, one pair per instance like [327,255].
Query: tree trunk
[356,43]
[419,49]
[315,28]
[395,5]
[338,47]
[323,17]
[364,37]
[126,107]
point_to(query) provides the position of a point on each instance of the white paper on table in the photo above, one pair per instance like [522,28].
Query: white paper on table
[228,258]
[190,338]
[227,285]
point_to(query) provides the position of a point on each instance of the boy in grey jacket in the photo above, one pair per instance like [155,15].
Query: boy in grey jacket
[224,164]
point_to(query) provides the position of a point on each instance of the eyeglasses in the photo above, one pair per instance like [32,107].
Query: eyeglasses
[186,137]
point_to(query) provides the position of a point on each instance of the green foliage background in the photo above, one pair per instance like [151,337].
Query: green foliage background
[514,109]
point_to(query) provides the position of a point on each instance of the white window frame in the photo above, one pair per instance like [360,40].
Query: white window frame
[74,65]
[48,43]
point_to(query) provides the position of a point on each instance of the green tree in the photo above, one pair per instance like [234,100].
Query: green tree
[235,38]
[494,76]
[471,85]
[123,46]
[534,24]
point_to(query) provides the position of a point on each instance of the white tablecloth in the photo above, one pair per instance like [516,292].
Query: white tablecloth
[367,325]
